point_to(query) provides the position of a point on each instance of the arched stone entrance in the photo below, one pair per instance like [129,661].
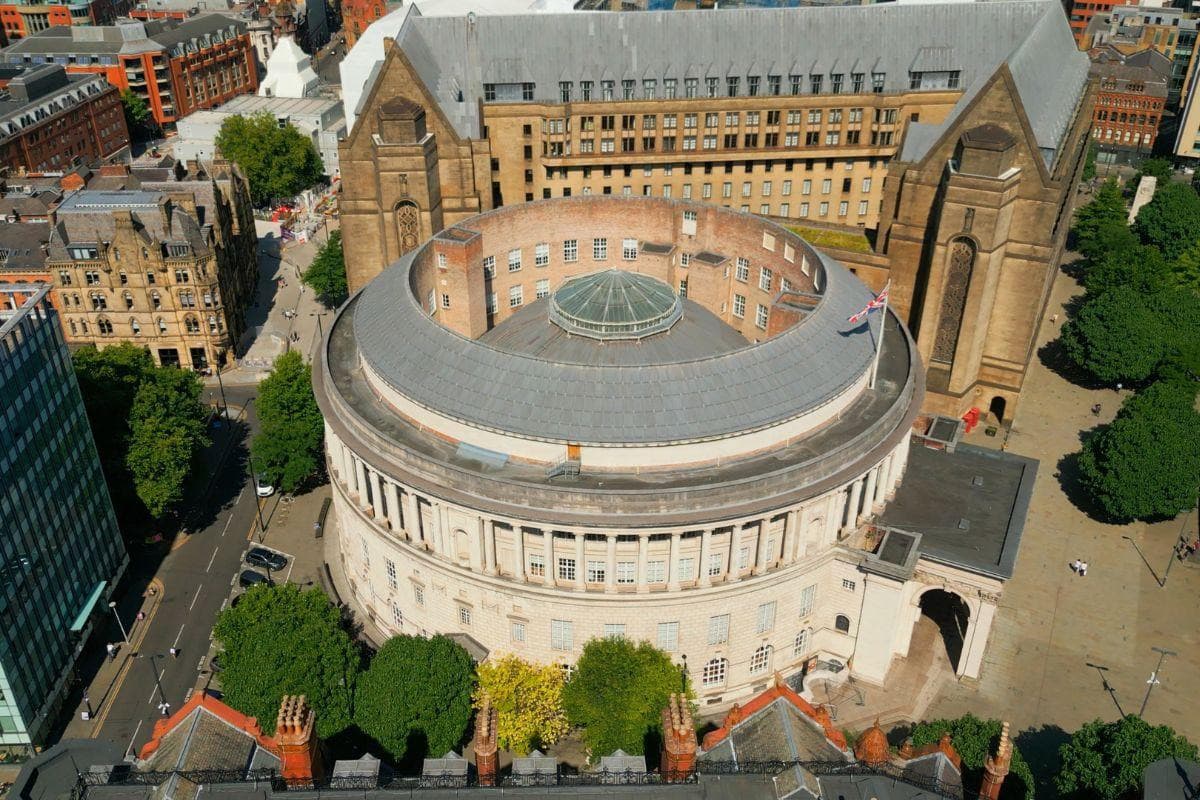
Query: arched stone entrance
[997,408]
[952,615]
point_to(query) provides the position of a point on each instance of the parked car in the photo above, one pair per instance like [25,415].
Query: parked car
[250,578]
[263,489]
[269,559]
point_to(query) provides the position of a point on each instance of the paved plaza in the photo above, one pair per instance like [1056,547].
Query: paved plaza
[1052,624]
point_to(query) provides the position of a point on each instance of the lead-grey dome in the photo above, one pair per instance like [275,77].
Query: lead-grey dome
[615,304]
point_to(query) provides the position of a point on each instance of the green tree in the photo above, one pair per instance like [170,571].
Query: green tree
[618,692]
[138,119]
[1170,220]
[974,739]
[1105,760]
[281,640]
[1159,168]
[167,431]
[326,275]
[278,161]
[287,448]
[528,702]
[1185,271]
[1117,336]
[1119,259]
[1089,161]
[1146,462]
[1107,207]
[416,691]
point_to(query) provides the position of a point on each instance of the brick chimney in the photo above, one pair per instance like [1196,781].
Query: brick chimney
[996,767]
[679,740]
[297,742]
[487,754]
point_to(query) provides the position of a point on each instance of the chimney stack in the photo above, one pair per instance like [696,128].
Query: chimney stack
[487,755]
[996,767]
[296,738]
[679,740]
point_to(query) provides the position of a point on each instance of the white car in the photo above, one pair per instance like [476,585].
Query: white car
[263,489]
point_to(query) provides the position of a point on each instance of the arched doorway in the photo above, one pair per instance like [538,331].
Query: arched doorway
[997,407]
[951,615]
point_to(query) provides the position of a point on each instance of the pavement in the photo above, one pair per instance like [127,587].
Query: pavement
[1065,649]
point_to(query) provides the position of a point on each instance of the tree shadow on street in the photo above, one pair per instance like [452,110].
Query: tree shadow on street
[1039,747]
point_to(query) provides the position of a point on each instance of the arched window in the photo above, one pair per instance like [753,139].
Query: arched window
[408,226]
[213,325]
[135,326]
[73,328]
[187,299]
[104,326]
[191,324]
[714,672]
[162,326]
[761,660]
[128,300]
[802,643]
[954,299]
[156,299]
[99,301]
[842,623]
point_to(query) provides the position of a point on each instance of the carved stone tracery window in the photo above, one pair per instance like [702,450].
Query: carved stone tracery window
[408,224]
[954,299]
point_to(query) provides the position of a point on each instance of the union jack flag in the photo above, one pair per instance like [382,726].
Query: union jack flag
[879,302]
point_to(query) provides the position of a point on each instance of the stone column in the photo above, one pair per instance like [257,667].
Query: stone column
[852,508]
[489,546]
[548,555]
[580,562]
[834,507]
[705,554]
[789,536]
[763,556]
[412,518]
[435,524]
[360,475]
[882,485]
[476,545]
[376,494]
[347,466]
[734,570]
[643,585]
[518,552]
[610,569]
[393,507]
[869,492]
[673,563]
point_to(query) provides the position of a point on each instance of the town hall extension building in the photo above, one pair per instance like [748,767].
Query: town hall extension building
[952,134]
[647,417]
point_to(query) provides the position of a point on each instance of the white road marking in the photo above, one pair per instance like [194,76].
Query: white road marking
[133,738]
[197,597]
[211,560]
[179,635]
[230,519]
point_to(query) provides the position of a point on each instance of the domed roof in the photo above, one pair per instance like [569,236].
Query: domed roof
[615,304]
[872,746]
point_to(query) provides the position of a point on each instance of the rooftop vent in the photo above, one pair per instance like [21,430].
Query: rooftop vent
[977,480]
[964,524]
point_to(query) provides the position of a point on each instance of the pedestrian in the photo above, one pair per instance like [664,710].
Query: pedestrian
[1083,569]
[141,615]
[174,651]
[112,650]
[1119,386]
[1075,566]
[1053,318]
[1096,410]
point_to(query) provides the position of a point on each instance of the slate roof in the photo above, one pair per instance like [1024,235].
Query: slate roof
[109,39]
[86,217]
[755,387]
[1032,36]
[22,245]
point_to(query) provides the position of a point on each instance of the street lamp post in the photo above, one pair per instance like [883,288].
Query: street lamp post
[221,384]
[1154,681]
[113,605]
[163,705]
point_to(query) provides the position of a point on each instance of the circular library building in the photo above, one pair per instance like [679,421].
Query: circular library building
[621,416]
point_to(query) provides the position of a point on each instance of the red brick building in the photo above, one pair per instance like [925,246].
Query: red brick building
[357,15]
[176,66]
[50,121]
[19,20]
[1082,11]
[1131,96]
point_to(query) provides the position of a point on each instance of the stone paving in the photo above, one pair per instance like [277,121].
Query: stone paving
[1053,624]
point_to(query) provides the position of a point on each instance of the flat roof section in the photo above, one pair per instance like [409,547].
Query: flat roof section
[969,506]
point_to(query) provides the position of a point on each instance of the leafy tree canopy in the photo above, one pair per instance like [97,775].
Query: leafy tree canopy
[1105,760]
[138,119]
[327,274]
[974,739]
[281,640]
[1146,462]
[618,692]
[108,380]
[1108,206]
[1119,335]
[528,702]
[1089,163]
[1119,259]
[1185,271]
[417,691]
[279,162]
[288,447]
[1170,220]
[167,431]
[1160,168]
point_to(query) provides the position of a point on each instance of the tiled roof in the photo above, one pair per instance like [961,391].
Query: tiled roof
[87,217]
[21,243]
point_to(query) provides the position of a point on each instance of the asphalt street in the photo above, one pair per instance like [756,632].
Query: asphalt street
[197,578]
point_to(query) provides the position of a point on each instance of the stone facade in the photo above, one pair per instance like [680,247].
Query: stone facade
[792,150]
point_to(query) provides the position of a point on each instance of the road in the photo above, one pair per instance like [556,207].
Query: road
[197,579]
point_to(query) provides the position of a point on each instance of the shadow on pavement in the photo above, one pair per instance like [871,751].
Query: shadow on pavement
[1039,747]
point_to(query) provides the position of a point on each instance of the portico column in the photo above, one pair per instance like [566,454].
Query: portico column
[476,545]
[376,494]
[833,516]
[643,549]
[412,517]
[881,486]
[610,567]
[347,465]
[673,564]
[548,555]
[869,494]
[580,563]
[489,546]
[764,551]
[734,570]
[439,530]
[393,506]
[852,508]
[518,552]
[789,536]
[360,474]
[705,554]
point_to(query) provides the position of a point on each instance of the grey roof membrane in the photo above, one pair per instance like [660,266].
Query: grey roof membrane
[732,392]
[1032,36]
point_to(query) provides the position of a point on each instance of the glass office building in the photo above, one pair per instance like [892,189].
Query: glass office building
[60,547]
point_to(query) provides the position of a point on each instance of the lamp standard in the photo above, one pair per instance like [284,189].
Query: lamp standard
[112,604]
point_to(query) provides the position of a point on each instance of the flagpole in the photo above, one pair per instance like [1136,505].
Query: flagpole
[879,339]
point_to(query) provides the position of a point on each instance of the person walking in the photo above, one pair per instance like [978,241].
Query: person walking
[112,650]
[1083,569]
[1075,566]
